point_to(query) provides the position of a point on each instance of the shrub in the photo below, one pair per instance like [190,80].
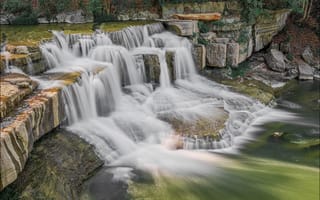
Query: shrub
[26,19]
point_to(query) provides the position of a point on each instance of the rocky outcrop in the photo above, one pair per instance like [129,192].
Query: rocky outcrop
[169,9]
[40,114]
[13,89]
[73,17]
[276,60]
[57,167]
[137,15]
[152,67]
[28,59]
[182,27]
[233,54]
[267,26]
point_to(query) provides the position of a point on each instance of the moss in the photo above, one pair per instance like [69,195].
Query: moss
[58,165]
[32,35]
[252,88]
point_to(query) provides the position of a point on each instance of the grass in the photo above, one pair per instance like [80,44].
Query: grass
[31,35]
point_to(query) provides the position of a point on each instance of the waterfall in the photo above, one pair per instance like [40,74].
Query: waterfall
[112,107]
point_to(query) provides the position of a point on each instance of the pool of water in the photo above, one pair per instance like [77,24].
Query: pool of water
[281,162]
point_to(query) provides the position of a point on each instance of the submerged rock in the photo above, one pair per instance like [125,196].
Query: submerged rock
[57,167]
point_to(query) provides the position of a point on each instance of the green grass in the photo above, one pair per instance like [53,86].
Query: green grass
[31,35]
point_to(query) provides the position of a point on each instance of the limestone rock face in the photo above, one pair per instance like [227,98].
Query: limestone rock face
[199,56]
[268,26]
[38,115]
[183,27]
[216,55]
[276,60]
[305,71]
[233,54]
[13,89]
[22,50]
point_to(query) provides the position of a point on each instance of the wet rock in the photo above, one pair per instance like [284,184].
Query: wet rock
[216,55]
[152,67]
[233,54]
[305,71]
[276,60]
[57,167]
[21,50]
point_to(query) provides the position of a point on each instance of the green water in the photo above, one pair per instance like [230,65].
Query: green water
[269,168]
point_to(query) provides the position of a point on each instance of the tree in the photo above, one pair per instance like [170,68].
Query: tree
[52,8]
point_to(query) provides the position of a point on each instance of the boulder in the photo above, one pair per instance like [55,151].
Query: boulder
[309,58]
[233,54]
[22,50]
[305,71]
[276,60]
[216,55]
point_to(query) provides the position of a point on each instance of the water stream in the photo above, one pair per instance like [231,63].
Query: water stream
[128,119]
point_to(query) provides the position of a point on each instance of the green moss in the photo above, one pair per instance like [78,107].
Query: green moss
[252,88]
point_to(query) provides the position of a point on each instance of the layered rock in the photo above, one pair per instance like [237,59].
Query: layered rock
[13,89]
[43,112]
[267,26]
[182,27]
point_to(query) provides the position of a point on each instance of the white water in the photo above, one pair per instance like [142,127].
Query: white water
[127,128]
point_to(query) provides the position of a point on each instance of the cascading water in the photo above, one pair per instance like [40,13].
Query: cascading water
[123,125]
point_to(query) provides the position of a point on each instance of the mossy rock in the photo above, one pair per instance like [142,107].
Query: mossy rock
[252,88]
[58,165]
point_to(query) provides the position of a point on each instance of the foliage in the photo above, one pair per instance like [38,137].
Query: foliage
[26,19]
[17,6]
[243,37]
[52,8]
[203,27]
[252,9]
